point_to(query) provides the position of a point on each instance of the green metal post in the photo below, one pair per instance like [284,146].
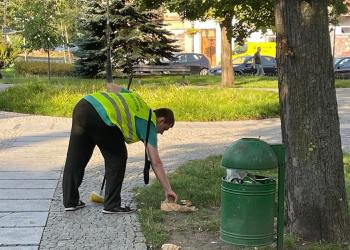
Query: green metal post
[280,152]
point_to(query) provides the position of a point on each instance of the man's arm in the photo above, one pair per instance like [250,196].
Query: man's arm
[159,170]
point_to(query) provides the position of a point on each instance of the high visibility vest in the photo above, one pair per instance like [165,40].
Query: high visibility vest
[121,109]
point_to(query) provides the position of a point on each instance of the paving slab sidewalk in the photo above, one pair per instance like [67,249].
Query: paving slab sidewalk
[32,153]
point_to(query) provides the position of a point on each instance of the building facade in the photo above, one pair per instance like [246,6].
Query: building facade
[203,37]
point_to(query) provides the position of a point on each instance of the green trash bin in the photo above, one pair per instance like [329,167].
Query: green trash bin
[248,207]
[247,213]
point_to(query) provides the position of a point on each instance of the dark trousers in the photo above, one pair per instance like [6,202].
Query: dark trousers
[88,130]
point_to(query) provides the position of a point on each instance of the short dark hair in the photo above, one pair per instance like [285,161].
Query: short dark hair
[167,114]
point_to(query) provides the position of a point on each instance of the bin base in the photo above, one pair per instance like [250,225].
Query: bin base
[246,240]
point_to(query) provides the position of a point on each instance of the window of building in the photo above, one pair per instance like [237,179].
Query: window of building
[345,30]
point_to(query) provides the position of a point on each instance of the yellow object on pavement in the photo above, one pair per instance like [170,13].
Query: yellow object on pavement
[95,197]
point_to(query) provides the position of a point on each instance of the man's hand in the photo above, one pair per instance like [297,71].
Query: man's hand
[171,196]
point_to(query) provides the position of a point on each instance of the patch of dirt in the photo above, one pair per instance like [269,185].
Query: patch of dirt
[192,231]
[195,235]
[199,240]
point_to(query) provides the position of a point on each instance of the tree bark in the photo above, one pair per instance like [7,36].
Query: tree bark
[315,188]
[49,64]
[226,53]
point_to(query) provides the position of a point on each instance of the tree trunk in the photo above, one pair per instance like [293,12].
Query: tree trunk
[226,53]
[64,44]
[316,199]
[49,64]
[67,42]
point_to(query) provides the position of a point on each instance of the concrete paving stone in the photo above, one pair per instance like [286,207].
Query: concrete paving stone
[23,219]
[19,248]
[34,162]
[52,138]
[33,167]
[140,239]
[33,152]
[140,246]
[24,205]
[41,144]
[11,184]
[22,175]
[35,137]
[59,134]
[20,236]
[25,194]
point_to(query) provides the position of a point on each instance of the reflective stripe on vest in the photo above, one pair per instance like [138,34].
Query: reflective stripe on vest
[121,109]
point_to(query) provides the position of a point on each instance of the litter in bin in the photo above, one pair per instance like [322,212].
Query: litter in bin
[243,177]
[232,174]
[263,179]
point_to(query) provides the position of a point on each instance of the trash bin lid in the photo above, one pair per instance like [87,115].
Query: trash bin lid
[251,154]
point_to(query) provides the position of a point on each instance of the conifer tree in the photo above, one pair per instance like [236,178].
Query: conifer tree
[136,37]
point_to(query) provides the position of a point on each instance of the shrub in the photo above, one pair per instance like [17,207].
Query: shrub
[41,68]
[8,53]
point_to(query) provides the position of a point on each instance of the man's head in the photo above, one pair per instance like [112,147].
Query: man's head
[259,49]
[165,119]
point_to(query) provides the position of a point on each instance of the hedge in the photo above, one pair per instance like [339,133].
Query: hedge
[41,68]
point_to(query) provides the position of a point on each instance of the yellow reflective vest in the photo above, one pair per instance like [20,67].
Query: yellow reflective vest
[120,109]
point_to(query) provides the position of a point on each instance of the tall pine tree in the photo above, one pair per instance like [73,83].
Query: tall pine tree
[136,37]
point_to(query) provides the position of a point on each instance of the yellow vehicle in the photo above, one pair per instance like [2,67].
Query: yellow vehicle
[249,49]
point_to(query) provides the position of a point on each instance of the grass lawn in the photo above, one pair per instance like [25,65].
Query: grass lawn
[188,103]
[11,77]
[199,181]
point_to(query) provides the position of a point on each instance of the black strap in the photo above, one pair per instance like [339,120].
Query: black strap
[103,184]
[147,162]
[130,80]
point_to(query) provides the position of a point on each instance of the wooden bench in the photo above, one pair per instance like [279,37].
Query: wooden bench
[149,70]
[161,70]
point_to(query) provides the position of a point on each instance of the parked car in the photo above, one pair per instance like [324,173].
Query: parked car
[342,68]
[244,65]
[337,59]
[198,63]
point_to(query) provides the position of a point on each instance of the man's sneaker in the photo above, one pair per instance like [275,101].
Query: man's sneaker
[119,210]
[80,205]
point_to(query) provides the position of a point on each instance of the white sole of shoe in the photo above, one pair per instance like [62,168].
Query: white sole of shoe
[74,208]
[111,212]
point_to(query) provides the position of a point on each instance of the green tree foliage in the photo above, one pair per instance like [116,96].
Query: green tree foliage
[68,11]
[38,18]
[9,50]
[91,54]
[7,13]
[136,37]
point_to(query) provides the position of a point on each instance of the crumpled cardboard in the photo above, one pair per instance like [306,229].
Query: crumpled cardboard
[170,247]
[172,206]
